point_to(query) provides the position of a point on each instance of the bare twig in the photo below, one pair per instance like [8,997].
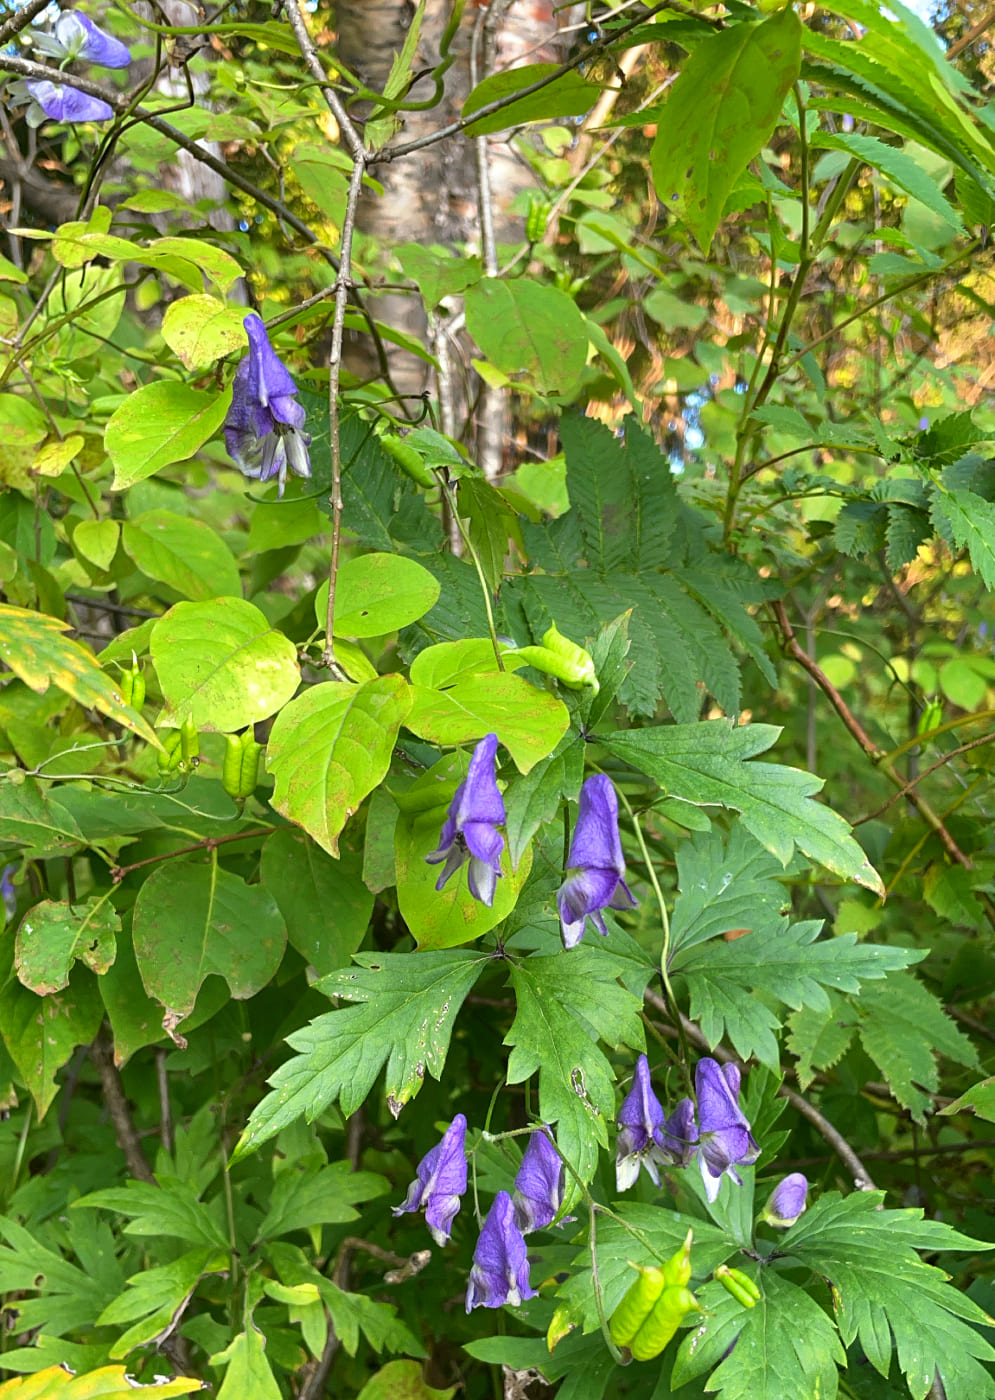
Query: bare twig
[965,40]
[21,19]
[102,1054]
[906,788]
[209,843]
[165,1108]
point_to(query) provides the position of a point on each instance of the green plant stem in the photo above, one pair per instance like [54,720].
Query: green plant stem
[471,549]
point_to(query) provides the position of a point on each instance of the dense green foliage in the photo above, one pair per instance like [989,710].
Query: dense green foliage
[736,552]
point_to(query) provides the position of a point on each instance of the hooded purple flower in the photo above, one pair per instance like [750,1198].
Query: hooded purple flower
[8,895]
[538,1185]
[58,102]
[470,829]
[640,1139]
[595,866]
[725,1136]
[680,1134]
[75,36]
[787,1202]
[264,427]
[440,1181]
[500,1272]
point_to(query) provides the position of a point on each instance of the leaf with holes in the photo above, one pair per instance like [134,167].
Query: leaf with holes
[52,936]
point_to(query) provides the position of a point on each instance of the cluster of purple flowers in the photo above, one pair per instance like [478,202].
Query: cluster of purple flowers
[500,1272]
[595,876]
[718,1134]
[74,37]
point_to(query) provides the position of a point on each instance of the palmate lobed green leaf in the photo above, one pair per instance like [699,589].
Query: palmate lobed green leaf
[881,1286]
[409,1005]
[708,764]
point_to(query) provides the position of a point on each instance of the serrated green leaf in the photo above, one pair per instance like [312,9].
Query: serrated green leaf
[903,1027]
[882,1289]
[307,1196]
[980,1098]
[353,1313]
[249,1375]
[720,112]
[861,528]
[330,747]
[409,1005]
[900,168]
[906,530]
[170,1208]
[970,520]
[781,961]
[68,1299]
[566,1004]
[820,1038]
[786,1345]
[725,884]
[189,924]
[708,764]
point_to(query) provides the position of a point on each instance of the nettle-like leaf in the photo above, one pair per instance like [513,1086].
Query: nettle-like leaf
[784,1346]
[708,764]
[884,1295]
[303,1197]
[330,747]
[156,1298]
[902,1027]
[409,1004]
[566,1004]
[69,1297]
[784,963]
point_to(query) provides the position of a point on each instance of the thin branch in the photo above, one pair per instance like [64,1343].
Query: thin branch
[209,843]
[856,729]
[102,1055]
[21,19]
[309,54]
[907,787]
[165,1108]
[965,40]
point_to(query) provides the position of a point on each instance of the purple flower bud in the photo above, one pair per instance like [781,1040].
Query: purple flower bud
[440,1182]
[724,1132]
[264,427]
[640,1138]
[58,102]
[680,1134]
[595,865]
[76,36]
[787,1201]
[923,423]
[500,1272]
[470,829]
[538,1185]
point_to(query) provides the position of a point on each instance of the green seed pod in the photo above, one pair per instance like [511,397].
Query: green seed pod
[189,741]
[670,1310]
[677,1270]
[740,1285]
[231,767]
[137,691]
[932,715]
[172,755]
[560,657]
[537,219]
[636,1306]
[127,686]
[249,764]
[409,459]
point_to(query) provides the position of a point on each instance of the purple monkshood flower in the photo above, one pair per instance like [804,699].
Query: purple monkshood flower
[264,428]
[787,1201]
[58,102]
[640,1139]
[8,895]
[595,865]
[500,1272]
[538,1185]
[680,1134]
[440,1181]
[470,829]
[724,1131]
[75,36]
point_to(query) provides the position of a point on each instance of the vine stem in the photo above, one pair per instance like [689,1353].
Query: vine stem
[471,549]
[209,843]
[343,286]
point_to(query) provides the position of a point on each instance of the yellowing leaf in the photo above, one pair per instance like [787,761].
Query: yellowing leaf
[34,647]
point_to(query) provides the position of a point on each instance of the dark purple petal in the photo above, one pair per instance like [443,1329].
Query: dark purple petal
[732,1076]
[8,894]
[787,1201]
[725,1136]
[268,377]
[582,896]
[538,1185]
[68,104]
[680,1134]
[263,426]
[596,841]
[640,1140]
[440,1182]
[468,832]
[500,1272]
